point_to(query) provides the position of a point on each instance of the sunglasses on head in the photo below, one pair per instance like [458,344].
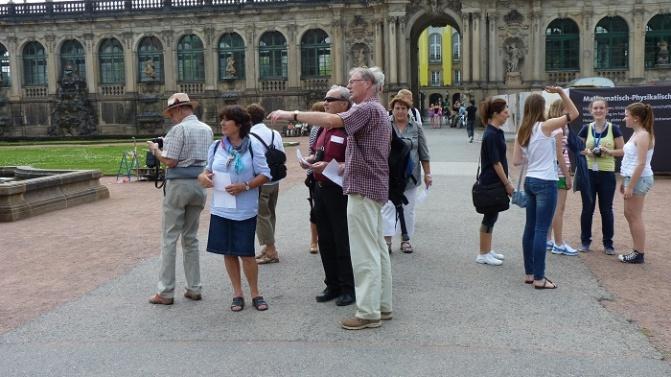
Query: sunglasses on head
[332,99]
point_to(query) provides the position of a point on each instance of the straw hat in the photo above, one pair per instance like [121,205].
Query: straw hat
[178,99]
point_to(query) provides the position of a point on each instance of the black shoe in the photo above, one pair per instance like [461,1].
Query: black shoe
[634,257]
[327,295]
[345,299]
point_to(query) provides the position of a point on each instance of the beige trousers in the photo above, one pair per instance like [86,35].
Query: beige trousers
[265,220]
[370,259]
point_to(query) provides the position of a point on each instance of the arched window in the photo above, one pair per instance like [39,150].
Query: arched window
[657,38]
[4,66]
[562,46]
[456,46]
[231,57]
[612,44]
[315,54]
[72,55]
[111,62]
[150,60]
[273,61]
[34,65]
[435,47]
[190,59]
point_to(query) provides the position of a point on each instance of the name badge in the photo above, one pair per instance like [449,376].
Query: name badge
[337,139]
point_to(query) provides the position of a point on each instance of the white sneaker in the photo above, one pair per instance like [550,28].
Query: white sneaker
[549,245]
[564,249]
[488,259]
[496,255]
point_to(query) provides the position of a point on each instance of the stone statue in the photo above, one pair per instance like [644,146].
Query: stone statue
[231,71]
[73,113]
[663,53]
[359,58]
[149,70]
[513,56]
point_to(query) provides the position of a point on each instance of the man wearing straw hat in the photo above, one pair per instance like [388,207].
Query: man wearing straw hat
[184,154]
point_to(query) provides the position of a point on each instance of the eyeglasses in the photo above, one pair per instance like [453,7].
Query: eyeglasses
[333,99]
[352,81]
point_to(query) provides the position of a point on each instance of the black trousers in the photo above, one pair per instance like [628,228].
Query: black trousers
[331,219]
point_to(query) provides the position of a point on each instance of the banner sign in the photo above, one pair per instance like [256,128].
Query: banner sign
[659,97]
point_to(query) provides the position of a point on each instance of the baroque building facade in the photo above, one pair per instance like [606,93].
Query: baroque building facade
[119,60]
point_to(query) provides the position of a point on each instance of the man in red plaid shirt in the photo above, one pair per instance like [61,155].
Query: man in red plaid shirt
[366,182]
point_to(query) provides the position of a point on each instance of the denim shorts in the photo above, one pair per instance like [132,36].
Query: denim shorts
[643,185]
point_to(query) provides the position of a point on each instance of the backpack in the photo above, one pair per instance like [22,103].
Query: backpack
[275,158]
[400,168]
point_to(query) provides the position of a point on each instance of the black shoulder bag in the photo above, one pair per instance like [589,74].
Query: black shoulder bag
[489,198]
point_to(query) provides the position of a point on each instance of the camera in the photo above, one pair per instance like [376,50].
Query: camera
[597,151]
[159,141]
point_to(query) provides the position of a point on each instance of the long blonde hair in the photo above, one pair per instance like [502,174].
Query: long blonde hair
[534,111]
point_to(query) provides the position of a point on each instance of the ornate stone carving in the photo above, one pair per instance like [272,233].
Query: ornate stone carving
[73,114]
[360,54]
[513,17]
[514,52]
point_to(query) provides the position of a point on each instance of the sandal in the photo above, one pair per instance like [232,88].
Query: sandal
[545,284]
[313,248]
[528,281]
[406,247]
[259,303]
[238,304]
[267,260]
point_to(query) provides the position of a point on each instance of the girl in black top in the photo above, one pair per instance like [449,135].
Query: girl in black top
[494,168]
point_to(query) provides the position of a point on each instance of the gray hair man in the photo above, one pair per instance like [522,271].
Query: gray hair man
[366,183]
[185,155]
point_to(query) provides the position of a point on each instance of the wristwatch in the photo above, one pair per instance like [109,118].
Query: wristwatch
[295,115]
[247,186]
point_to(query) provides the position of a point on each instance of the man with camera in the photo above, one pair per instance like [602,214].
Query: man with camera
[184,154]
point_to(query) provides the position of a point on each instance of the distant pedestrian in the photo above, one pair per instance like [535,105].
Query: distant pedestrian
[637,174]
[470,120]
[535,144]
[494,169]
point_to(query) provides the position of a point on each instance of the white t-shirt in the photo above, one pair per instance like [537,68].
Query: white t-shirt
[266,134]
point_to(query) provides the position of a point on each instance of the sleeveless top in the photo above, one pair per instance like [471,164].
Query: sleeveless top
[630,160]
[605,162]
[541,155]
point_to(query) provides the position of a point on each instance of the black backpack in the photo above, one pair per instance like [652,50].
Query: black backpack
[275,158]
[400,168]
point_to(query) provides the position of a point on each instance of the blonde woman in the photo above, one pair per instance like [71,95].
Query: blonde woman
[637,175]
[558,245]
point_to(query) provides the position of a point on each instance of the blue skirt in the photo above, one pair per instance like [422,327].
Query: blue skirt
[231,237]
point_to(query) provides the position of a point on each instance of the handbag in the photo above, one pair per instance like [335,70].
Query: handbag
[489,198]
[520,196]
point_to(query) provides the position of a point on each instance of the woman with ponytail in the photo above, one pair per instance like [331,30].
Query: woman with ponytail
[637,174]
[536,144]
[494,169]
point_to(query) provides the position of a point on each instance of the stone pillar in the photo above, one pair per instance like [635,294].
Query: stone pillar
[15,67]
[337,53]
[129,62]
[466,49]
[403,52]
[169,62]
[537,46]
[476,62]
[587,45]
[91,63]
[251,57]
[210,58]
[53,64]
[493,61]
[637,45]
[393,51]
[294,59]
[379,44]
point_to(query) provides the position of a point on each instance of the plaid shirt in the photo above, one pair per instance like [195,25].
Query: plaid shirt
[187,142]
[368,145]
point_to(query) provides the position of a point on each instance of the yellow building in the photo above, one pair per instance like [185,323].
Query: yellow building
[439,63]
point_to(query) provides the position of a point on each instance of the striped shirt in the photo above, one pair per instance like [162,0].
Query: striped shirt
[368,144]
[187,142]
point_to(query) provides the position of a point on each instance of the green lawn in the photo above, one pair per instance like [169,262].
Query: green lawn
[106,158]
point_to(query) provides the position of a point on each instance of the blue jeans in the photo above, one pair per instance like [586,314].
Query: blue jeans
[542,200]
[602,184]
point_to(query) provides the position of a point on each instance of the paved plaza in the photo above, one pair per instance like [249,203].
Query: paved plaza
[452,317]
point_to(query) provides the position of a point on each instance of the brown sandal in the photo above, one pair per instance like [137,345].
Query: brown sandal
[545,284]
[267,260]
[406,247]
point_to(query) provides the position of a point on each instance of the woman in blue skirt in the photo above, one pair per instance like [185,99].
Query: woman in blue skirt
[236,168]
